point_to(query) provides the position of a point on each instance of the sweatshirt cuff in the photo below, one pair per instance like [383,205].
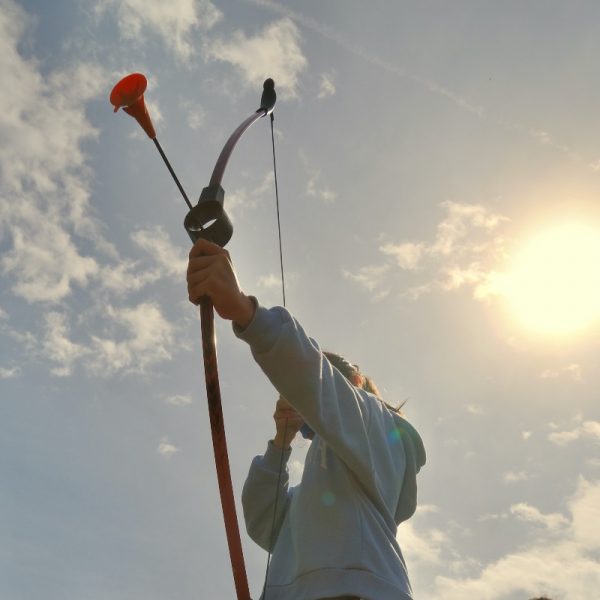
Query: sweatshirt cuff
[262,332]
[272,456]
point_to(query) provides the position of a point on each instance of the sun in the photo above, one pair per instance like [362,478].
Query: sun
[553,286]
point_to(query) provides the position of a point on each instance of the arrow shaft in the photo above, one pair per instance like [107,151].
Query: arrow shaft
[164,157]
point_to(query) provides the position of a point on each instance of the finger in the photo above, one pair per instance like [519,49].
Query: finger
[198,277]
[204,286]
[199,263]
[286,414]
[206,248]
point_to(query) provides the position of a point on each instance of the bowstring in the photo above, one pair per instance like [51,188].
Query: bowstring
[278,217]
[283,449]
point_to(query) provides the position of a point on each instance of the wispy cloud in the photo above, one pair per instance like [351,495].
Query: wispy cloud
[588,430]
[140,337]
[243,199]
[175,22]
[58,347]
[179,400]
[326,86]
[274,52]
[515,476]
[269,282]
[166,449]
[372,278]
[526,512]
[195,115]
[171,259]
[574,371]
[433,87]
[148,339]
[464,252]
[315,188]
[407,254]
[9,373]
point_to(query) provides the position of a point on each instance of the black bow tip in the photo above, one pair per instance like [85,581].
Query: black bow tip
[268,98]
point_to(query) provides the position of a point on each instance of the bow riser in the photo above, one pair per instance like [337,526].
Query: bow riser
[208,219]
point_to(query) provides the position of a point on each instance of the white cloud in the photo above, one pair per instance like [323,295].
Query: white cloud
[461,220]
[126,276]
[588,430]
[141,338]
[269,282]
[57,346]
[514,477]
[314,186]
[275,53]
[407,254]
[326,86]
[195,114]
[526,512]
[558,562]
[44,181]
[9,373]
[315,189]
[172,260]
[585,508]
[175,22]
[474,409]
[179,400]
[574,370]
[372,278]
[243,199]
[149,340]
[47,264]
[166,449]
[422,546]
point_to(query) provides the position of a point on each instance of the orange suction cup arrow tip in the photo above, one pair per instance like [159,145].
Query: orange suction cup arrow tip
[129,94]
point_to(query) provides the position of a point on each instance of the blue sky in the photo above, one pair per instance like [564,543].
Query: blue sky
[426,152]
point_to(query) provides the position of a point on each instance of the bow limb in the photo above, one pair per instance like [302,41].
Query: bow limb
[217,428]
[219,170]
[208,219]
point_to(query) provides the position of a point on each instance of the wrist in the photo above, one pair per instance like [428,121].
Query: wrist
[246,312]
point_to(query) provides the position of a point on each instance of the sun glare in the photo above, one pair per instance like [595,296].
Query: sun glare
[553,286]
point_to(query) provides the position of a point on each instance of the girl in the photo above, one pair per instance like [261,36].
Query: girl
[333,535]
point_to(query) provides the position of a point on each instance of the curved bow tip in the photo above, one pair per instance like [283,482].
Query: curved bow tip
[269,97]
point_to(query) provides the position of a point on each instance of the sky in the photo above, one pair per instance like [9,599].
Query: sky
[439,175]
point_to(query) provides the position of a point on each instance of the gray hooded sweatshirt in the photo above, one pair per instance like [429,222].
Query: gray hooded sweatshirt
[335,533]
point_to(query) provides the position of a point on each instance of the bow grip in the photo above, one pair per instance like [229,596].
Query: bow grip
[208,219]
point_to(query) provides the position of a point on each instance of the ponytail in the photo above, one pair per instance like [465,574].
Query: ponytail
[350,372]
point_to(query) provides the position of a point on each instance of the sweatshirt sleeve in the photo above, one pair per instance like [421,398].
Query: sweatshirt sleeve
[259,497]
[355,424]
